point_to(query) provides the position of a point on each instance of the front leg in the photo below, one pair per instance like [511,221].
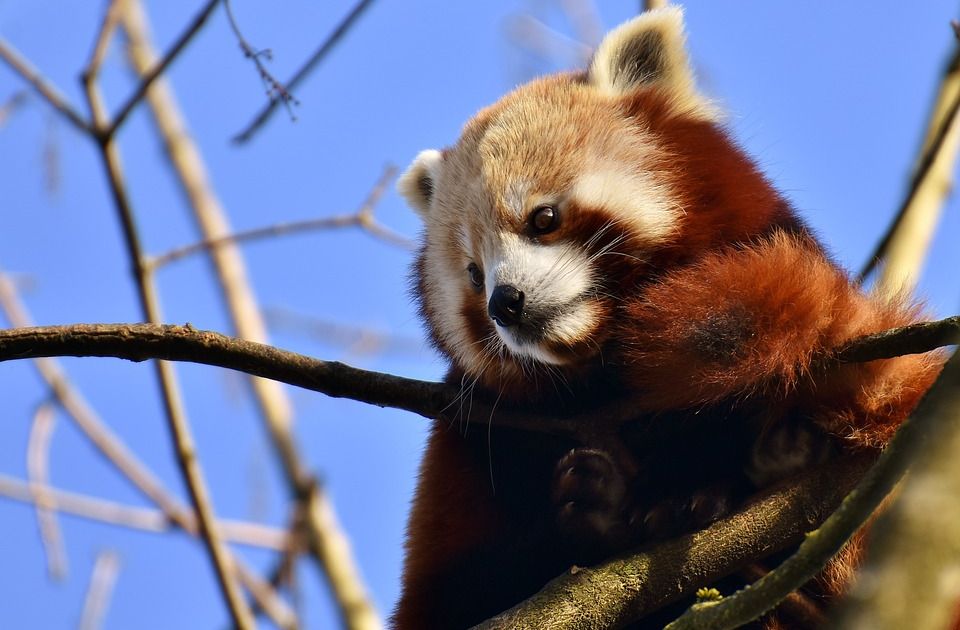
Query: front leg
[589,494]
[601,510]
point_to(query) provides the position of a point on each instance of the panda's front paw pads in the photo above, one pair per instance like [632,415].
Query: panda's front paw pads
[589,493]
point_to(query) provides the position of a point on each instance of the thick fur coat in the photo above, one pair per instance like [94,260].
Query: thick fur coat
[598,235]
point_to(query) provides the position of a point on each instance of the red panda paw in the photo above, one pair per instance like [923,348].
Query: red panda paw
[675,516]
[590,493]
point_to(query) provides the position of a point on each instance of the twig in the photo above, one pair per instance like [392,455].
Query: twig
[362,218]
[540,39]
[38,457]
[161,66]
[146,519]
[328,45]
[51,94]
[11,105]
[628,588]
[102,41]
[176,416]
[102,579]
[917,216]
[268,600]
[109,444]
[585,19]
[912,339]
[349,593]
[89,423]
[356,339]
[275,89]
[139,342]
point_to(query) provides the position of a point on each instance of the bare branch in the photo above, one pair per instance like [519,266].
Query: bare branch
[356,339]
[161,66]
[100,589]
[115,450]
[585,19]
[913,339]
[535,36]
[38,457]
[348,590]
[275,89]
[166,377]
[104,511]
[11,105]
[102,41]
[90,424]
[363,218]
[328,45]
[267,599]
[51,94]
[139,342]
[906,240]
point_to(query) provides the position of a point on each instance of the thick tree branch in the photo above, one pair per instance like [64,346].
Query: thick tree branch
[912,439]
[627,588]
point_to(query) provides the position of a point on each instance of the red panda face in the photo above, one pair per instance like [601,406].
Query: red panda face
[553,207]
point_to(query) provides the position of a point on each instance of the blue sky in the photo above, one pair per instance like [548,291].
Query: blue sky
[831,98]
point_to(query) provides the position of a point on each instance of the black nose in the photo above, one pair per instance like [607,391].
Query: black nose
[506,305]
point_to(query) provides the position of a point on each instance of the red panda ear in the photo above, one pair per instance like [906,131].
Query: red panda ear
[650,51]
[419,181]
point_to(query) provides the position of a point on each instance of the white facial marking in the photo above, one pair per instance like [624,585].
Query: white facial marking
[553,278]
[634,197]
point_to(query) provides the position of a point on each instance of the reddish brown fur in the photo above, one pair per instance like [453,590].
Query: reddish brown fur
[722,334]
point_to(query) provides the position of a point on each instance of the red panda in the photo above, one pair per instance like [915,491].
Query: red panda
[598,235]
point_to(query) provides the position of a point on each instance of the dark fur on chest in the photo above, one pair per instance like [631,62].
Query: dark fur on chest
[677,456]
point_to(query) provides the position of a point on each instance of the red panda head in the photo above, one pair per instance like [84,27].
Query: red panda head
[561,200]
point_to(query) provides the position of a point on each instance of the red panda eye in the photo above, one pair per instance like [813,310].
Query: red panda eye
[476,276]
[544,219]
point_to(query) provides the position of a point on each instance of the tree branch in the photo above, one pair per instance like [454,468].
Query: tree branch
[38,470]
[146,519]
[363,218]
[100,589]
[627,588]
[124,460]
[176,417]
[908,235]
[328,45]
[818,547]
[212,222]
[139,342]
[161,66]
[52,95]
